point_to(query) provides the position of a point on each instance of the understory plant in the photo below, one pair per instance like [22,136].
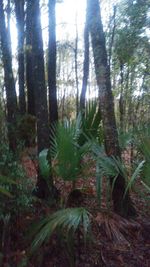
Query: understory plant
[68,224]
[66,152]
[13,183]
[109,167]
[91,127]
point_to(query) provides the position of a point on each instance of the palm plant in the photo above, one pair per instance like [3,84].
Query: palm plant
[65,223]
[90,124]
[65,150]
[112,167]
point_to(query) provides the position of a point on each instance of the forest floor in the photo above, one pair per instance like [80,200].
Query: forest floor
[115,242]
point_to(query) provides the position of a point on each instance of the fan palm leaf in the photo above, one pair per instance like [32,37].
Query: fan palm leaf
[63,221]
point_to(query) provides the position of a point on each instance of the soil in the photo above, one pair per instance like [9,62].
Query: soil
[114,242]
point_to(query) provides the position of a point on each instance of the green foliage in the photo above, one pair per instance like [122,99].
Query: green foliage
[125,139]
[112,167]
[130,29]
[26,129]
[134,176]
[5,181]
[91,124]
[44,165]
[65,150]
[14,183]
[65,223]
[144,148]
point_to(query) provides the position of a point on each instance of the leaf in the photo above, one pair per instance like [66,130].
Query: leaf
[5,192]
[44,163]
[68,220]
[134,176]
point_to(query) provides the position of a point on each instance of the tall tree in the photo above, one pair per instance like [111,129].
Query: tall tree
[28,61]
[53,109]
[85,65]
[8,78]
[40,93]
[122,205]
[76,64]
[20,18]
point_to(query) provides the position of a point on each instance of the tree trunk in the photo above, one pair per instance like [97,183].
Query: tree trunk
[40,93]
[8,79]
[121,104]
[29,67]
[76,68]
[20,16]
[53,109]
[122,205]
[85,65]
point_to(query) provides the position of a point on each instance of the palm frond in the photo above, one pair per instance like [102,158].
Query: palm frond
[66,151]
[146,186]
[90,124]
[44,163]
[134,176]
[62,221]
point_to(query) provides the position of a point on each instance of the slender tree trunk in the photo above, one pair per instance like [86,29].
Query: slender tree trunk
[122,205]
[20,18]
[29,67]
[111,42]
[121,106]
[40,92]
[76,68]
[85,65]
[8,79]
[53,109]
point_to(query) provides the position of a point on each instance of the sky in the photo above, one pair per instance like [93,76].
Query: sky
[67,13]
[65,19]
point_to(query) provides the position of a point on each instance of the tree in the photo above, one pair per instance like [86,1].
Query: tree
[85,65]
[122,205]
[129,40]
[39,89]
[11,97]
[53,109]
[20,18]
[76,65]
[28,60]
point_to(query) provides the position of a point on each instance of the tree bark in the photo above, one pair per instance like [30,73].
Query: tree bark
[8,79]
[85,65]
[29,67]
[76,67]
[122,205]
[53,109]
[121,104]
[40,92]
[20,18]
